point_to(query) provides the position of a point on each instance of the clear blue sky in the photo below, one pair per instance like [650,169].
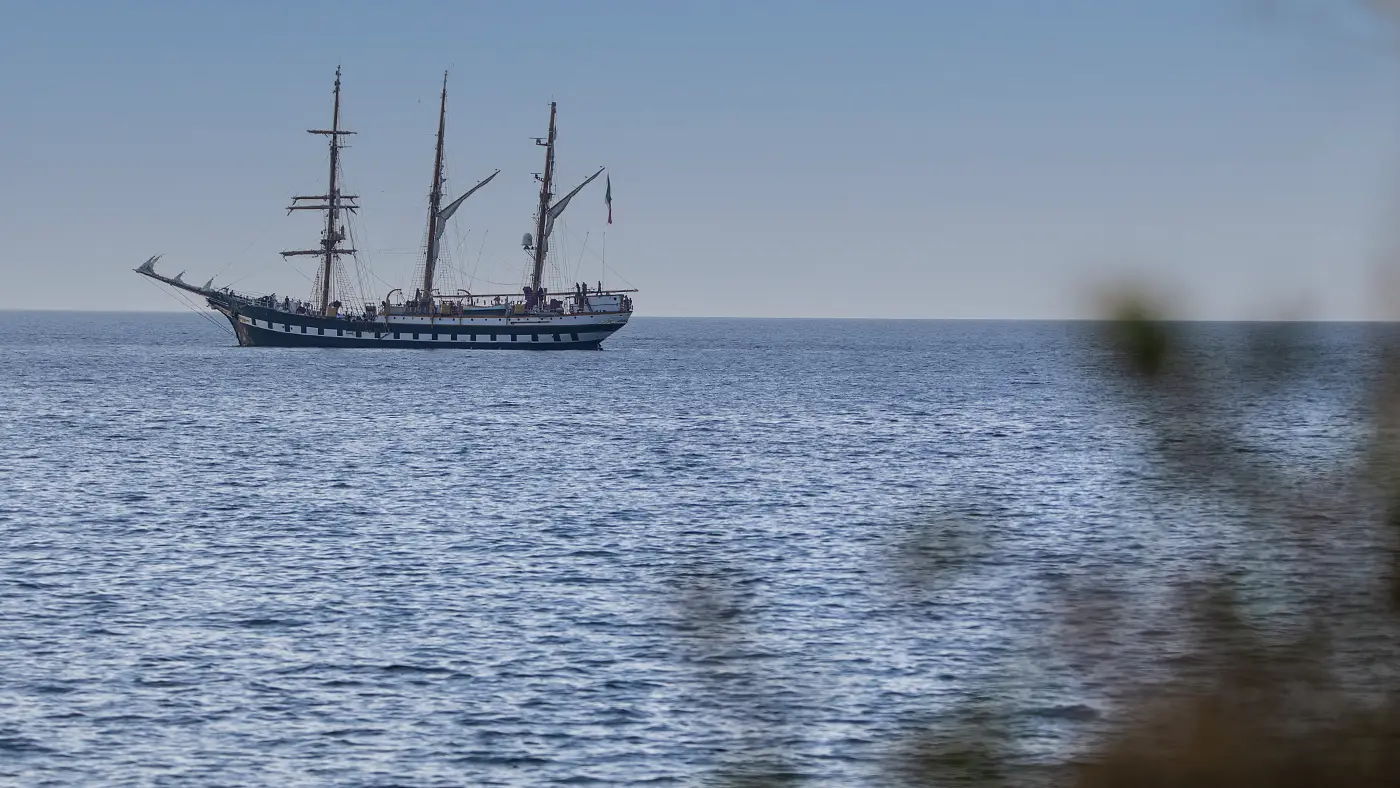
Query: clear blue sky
[977,158]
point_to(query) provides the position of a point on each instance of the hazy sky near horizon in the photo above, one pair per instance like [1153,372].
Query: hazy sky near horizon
[941,159]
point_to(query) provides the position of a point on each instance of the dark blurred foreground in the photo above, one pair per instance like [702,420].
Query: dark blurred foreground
[1306,693]
[1322,709]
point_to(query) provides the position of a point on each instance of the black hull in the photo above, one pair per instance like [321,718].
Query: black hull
[262,327]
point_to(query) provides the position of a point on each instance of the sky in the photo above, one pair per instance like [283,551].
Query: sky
[933,159]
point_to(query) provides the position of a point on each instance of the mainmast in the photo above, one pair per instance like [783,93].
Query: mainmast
[438,214]
[332,202]
[435,201]
[541,242]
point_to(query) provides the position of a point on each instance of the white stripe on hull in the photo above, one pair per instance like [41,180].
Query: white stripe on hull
[500,334]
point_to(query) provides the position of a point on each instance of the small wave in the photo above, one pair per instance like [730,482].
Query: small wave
[500,760]
[12,741]
[398,668]
[1074,711]
[354,732]
[164,683]
[593,552]
[270,622]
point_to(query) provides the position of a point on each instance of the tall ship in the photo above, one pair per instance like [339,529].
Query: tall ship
[535,318]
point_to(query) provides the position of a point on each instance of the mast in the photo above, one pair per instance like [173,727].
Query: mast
[333,202]
[548,213]
[435,201]
[541,242]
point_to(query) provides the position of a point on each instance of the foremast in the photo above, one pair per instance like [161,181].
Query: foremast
[332,202]
[438,215]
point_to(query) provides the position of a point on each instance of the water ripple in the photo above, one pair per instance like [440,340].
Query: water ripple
[258,567]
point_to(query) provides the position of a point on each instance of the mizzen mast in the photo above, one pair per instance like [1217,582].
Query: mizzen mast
[548,213]
[332,202]
[546,180]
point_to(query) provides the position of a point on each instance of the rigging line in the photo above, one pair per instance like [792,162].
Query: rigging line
[579,266]
[603,258]
[501,284]
[382,280]
[293,266]
[596,255]
[192,307]
[198,311]
[231,262]
[360,266]
[448,262]
[477,267]
[502,261]
[619,276]
[235,259]
[221,270]
[258,270]
[461,239]
[365,265]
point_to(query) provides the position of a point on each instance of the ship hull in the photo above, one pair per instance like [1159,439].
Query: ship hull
[261,327]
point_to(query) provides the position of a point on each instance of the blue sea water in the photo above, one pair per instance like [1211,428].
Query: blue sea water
[714,547]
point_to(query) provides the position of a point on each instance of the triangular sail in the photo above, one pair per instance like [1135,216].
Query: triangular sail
[547,213]
[558,208]
[438,214]
[446,213]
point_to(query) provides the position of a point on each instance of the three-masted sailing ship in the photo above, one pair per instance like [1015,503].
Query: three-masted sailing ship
[534,318]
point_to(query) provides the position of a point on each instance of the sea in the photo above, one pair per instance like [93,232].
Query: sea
[716,549]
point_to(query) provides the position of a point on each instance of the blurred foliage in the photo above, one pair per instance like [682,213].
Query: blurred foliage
[1265,714]
[1245,709]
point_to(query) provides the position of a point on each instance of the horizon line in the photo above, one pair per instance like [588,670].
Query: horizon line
[1377,321]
